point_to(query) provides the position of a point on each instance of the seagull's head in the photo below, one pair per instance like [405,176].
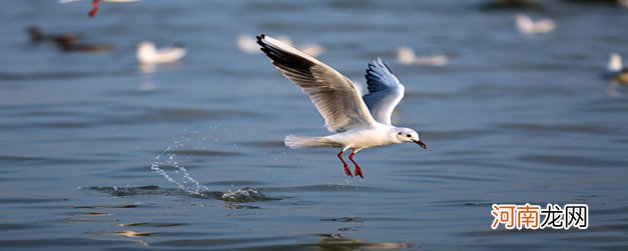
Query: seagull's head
[145,46]
[409,135]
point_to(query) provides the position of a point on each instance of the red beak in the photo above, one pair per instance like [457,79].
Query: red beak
[423,145]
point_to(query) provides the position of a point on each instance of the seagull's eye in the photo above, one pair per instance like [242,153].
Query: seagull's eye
[408,135]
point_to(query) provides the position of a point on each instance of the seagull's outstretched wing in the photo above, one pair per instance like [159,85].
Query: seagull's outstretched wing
[385,91]
[334,95]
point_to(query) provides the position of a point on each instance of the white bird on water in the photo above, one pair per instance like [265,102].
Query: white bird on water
[615,71]
[406,56]
[526,25]
[147,53]
[358,122]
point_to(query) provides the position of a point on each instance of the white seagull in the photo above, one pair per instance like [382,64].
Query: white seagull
[406,56]
[526,25]
[147,53]
[615,71]
[358,122]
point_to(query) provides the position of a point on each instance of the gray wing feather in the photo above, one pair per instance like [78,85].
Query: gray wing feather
[385,91]
[335,96]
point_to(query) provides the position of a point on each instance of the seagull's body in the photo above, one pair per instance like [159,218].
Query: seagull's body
[526,25]
[406,56]
[378,135]
[615,71]
[248,44]
[147,53]
[358,122]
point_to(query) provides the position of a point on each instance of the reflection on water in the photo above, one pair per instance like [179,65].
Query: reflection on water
[345,219]
[147,82]
[151,224]
[614,90]
[338,242]
[114,206]
[133,233]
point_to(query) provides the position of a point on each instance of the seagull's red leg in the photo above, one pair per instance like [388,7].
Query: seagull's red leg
[95,8]
[347,170]
[358,170]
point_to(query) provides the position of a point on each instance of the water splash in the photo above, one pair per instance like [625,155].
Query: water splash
[240,195]
[246,194]
[181,177]
[169,159]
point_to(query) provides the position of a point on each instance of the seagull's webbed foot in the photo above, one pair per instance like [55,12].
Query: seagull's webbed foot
[348,171]
[346,166]
[358,170]
[94,11]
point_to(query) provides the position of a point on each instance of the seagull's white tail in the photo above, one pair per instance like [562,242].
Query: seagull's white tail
[293,141]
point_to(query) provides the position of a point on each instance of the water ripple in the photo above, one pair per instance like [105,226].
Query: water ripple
[575,127]
[572,160]
[240,195]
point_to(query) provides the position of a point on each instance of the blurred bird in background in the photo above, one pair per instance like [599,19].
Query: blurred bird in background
[526,25]
[37,35]
[147,53]
[406,56]
[615,71]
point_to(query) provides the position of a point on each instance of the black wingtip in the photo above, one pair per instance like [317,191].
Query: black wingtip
[261,43]
[260,38]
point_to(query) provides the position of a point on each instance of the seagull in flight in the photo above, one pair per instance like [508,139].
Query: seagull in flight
[358,122]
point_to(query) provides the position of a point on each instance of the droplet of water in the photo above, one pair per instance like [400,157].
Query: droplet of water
[185,178]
